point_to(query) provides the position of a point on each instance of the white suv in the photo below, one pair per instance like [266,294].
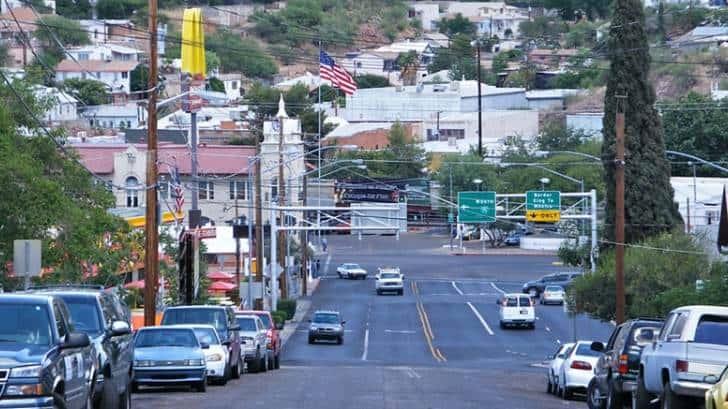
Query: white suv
[517,310]
[389,279]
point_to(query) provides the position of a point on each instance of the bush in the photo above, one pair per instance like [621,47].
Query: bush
[288,306]
[279,317]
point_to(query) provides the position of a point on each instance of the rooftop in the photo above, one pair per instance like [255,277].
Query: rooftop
[117,48]
[25,16]
[351,129]
[464,89]
[96,66]
[403,47]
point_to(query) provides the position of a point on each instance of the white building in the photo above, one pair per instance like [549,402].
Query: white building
[703,195]
[427,12]
[425,101]
[702,37]
[63,106]
[548,99]
[115,116]
[382,61]
[7,5]
[587,122]
[502,22]
[106,30]
[115,74]
[459,132]
[105,52]
[233,83]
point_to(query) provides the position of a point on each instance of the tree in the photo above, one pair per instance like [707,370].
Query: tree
[581,34]
[241,54]
[264,100]
[68,32]
[555,136]
[90,92]
[216,85]
[457,25]
[543,30]
[212,61]
[74,9]
[408,63]
[139,78]
[119,9]
[649,204]
[371,81]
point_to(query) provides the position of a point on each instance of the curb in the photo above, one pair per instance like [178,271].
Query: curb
[302,307]
[497,253]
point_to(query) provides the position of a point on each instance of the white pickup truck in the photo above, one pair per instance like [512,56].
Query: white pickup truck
[692,345]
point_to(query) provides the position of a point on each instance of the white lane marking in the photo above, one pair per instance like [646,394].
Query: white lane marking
[492,284]
[548,329]
[455,286]
[366,345]
[398,331]
[480,318]
[326,264]
[411,372]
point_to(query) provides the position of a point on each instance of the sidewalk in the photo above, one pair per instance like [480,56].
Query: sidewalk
[302,307]
[475,248]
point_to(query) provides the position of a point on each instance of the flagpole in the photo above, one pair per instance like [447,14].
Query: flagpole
[318,213]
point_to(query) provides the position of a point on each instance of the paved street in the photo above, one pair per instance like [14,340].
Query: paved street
[438,346]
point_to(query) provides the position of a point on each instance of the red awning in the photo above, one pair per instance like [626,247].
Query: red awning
[138,284]
[221,286]
[219,275]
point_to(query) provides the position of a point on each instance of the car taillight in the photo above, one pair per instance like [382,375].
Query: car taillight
[586,366]
[681,366]
[623,367]
[269,334]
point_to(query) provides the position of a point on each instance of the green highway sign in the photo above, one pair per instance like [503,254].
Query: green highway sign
[543,200]
[476,207]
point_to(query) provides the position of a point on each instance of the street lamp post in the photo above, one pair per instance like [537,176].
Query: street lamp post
[544,182]
[476,44]
[477,183]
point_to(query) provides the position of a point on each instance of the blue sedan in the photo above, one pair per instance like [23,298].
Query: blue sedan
[168,356]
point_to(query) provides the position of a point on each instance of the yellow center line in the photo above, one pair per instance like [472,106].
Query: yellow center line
[426,327]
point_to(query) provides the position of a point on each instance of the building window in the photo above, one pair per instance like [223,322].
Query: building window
[238,190]
[446,134]
[83,56]
[206,190]
[132,192]
[164,190]
[98,74]
[125,75]
[234,85]
[274,189]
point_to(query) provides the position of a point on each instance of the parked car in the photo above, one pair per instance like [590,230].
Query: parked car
[46,363]
[169,356]
[253,340]
[717,395]
[389,279]
[517,310]
[690,352]
[577,370]
[536,287]
[351,270]
[106,320]
[615,374]
[220,317]
[216,355]
[513,239]
[273,339]
[553,294]
[326,325]
[554,368]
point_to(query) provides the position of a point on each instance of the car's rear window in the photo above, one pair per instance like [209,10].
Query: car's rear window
[712,329]
[554,288]
[512,302]
[525,301]
[585,350]
[247,324]
[166,337]
[266,320]
[209,316]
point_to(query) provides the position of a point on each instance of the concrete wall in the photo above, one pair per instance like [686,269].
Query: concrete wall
[541,243]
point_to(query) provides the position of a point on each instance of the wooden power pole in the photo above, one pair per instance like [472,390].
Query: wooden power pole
[619,210]
[151,256]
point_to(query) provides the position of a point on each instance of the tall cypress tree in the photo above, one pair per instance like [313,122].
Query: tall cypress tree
[649,206]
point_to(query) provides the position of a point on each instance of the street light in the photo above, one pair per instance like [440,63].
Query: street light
[544,182]
[478,182]
[476,44]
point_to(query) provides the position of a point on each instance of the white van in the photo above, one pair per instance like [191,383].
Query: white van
[517,310]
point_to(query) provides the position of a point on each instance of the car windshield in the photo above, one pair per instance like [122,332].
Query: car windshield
[84,314]
[554,288]
[27,324]
[166,337]
[207,336]
[389,275]
[266,320]
[247,324]
[585,350]
[323,318]
[712,330]
[207,316]
[351,266]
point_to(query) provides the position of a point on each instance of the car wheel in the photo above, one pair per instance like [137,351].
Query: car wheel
[277,362]
[134,387]
[566,393]
[614,398]
[201,387]
[549,385]
[237,369]
[593,400]
[379,292]
[311,340]
[502,325]
[401,292]
[108,398]
[340,275]
[263,365]
[640,397]
[340,340]
[670,400]
[125,399]
[532,325]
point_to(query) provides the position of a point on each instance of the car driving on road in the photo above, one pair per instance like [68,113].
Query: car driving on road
[106,320]
[536,287]
[352,271]
[577,370]
[553,294]
[253,341]
[389,279]
[554,368]
[517,310]
[45,362]
[616,370]
[169,356]
[326,325]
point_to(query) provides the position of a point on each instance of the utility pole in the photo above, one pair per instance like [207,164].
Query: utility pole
[151,256]
[237,244]
[281,215]
[304,240]
[259,225]
[619,210]
[480,101]
[249,192]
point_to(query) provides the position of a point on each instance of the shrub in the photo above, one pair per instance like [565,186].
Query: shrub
[288,306]
[279,317]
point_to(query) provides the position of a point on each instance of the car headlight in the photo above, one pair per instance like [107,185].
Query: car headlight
[26,372]
[214,358]
[143,363]
[30,389]
[313,328]
[195,362]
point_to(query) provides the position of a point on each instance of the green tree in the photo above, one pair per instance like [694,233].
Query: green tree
[264,100]
[239,54]
[649,204]
[555,136]
[457,25]
[544,31]
[74,9]
[216,85]
[212,61]
[90,92]
[119,9]
[68,32]
[139,78]
[581,34]
[284,53]
[408,63]
[371,81]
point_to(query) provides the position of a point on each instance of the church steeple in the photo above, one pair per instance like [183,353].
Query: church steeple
[281,108]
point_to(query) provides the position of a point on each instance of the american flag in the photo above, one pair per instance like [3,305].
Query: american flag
[330,70]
